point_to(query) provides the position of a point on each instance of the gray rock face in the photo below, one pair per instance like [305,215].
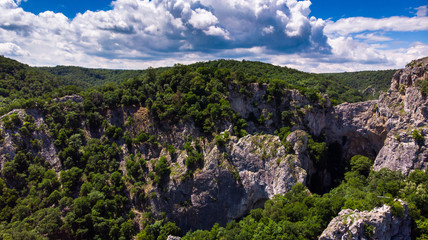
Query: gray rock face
[173,238]
[403,113]
[380,223]
[355,128]
[234,180]
[45,142]
[382,129]
[248,171]
[74,98]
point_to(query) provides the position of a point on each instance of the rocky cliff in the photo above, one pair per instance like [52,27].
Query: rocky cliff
[393,129]
[234,179]
[380,223]
[231,175]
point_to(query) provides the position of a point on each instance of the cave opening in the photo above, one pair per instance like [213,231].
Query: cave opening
[329,171]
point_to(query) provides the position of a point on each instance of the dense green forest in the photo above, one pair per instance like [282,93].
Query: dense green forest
[20,82]
[92,197]
[370,83]
[88,77]
[301,215]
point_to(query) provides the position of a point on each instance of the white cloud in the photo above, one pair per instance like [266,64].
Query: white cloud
[216,31]
[268,30]
[142,33]
[372,37]
[153,29]
[11,49]
[202,19]
[359,24]
[421,11]
[20,1]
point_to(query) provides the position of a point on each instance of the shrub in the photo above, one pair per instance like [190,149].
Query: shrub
[162,168]
[397,209]
[417,136]
[361,164]
[423,85]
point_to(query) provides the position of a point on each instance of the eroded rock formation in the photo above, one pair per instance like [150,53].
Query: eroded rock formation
[380,223]
[383,129]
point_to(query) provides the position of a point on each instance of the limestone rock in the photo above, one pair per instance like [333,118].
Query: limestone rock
[382,129]
[234,180]
[45,143]
[173,238]
[74,98]
[380,223]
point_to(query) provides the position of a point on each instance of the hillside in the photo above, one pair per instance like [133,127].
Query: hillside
[341,87]
[87,77]
[216,150]
[369,83]
[20,84]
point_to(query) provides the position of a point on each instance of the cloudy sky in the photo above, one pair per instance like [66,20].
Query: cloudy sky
[313,36]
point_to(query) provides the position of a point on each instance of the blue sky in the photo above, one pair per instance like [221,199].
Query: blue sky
[337,9]
[313,36]
[67,7]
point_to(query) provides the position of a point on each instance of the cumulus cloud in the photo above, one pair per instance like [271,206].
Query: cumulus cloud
[372,37]
[11,50]
[359,24]
[20,1]
[421,11]
[142,33]
[156,28]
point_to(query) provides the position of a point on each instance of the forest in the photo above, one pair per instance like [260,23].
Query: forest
[92,196]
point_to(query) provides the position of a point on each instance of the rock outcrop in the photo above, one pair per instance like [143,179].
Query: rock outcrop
[380,223]
[234,179]
[383,129]
[242,173]
[16,137]
[405,111]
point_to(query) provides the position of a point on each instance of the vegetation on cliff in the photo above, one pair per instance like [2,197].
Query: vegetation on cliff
[98,185]
[301,215]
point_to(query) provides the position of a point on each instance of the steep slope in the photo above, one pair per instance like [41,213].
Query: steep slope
[370,83]
[392,129]
[380,223]
[193,145]
[91,77]
[22,81]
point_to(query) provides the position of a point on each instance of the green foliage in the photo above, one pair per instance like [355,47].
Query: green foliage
[423,86]
[418,136]
[20,84]
[221,139]
[161,168]
[317,150]
[379,81]
[299,214]
[194,158]
[361,164]
[87,77]
[397,209]
[368,231]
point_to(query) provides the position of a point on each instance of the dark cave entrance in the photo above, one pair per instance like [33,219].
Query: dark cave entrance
[329,172]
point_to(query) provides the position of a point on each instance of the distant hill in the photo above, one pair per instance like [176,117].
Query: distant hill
[343,87]
[88,77]
[202,147]
[21,82]
[370,83]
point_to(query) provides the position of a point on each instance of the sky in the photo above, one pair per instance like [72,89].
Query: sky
[312,36]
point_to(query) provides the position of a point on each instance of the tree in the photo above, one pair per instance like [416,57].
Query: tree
[361,164]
